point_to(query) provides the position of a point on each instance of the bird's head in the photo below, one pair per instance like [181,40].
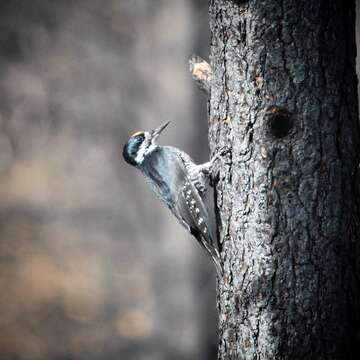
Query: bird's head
[141,144]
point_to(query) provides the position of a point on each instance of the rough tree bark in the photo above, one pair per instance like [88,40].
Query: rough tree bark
[283,95]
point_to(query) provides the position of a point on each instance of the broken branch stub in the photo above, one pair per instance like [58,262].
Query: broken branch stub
[201,72]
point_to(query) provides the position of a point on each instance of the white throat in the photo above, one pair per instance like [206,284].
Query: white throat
[144,151]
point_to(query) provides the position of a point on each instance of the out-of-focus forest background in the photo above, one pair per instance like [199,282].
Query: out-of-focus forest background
[92,266]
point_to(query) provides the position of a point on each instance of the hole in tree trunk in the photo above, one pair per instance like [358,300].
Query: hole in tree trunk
[240,1]
[278,121]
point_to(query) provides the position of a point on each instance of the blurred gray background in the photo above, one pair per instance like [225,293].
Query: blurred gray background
[92,265]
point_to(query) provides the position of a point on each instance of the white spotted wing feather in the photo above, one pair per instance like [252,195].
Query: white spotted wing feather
[169,178]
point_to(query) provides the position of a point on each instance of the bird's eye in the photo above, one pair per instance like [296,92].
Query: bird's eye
[140,138]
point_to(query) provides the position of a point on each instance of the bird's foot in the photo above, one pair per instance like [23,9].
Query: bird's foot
[220,153]
[214,170]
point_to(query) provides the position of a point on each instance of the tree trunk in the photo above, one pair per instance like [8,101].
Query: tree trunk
[284,96]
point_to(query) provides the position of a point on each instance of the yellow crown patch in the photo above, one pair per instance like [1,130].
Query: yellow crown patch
[137,133]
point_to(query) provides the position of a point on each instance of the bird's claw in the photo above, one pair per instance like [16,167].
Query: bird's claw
[214,171]
[223,151]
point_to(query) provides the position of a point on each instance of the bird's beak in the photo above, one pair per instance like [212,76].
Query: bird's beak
[156,132]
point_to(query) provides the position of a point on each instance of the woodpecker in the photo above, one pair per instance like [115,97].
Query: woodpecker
[177,181]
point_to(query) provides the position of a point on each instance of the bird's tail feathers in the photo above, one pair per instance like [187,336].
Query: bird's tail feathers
[207,244]
[214,253]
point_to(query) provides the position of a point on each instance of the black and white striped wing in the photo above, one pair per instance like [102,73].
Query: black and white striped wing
[190,210]
[166,173]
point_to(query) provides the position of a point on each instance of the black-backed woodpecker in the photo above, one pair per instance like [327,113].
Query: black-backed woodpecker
[177,181]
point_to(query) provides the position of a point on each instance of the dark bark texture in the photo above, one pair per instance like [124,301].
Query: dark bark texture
[284,96]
